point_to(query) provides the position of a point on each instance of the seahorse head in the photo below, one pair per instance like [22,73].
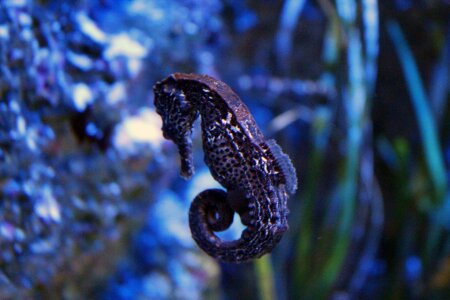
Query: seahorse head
[178,115]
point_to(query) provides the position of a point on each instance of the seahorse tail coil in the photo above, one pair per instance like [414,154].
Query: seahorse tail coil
[210,212]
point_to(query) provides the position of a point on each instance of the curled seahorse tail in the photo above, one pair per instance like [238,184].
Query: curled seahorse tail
[210,212]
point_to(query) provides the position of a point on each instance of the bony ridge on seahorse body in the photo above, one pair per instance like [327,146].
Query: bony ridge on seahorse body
[257,175]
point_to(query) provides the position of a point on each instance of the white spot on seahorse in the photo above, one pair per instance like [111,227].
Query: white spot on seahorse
[231,135]
[235,129]
[229,116]
[180,94]
[228,119]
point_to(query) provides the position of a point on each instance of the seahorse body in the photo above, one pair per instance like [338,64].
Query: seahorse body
[257,175]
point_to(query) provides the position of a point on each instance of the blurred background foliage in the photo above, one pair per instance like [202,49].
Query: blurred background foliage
[355,91]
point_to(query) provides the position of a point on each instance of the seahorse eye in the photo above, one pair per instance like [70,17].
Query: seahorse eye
[169,88]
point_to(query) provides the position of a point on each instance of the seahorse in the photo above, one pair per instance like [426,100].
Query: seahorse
[257,175]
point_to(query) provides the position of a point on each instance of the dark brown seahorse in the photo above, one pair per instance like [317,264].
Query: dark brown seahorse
[257,175]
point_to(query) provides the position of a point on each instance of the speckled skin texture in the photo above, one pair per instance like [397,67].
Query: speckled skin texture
[257,175]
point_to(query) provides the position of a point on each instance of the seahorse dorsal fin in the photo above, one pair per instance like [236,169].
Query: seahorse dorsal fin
[285,164]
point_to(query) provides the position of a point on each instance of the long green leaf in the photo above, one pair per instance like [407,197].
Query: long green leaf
[425,119]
